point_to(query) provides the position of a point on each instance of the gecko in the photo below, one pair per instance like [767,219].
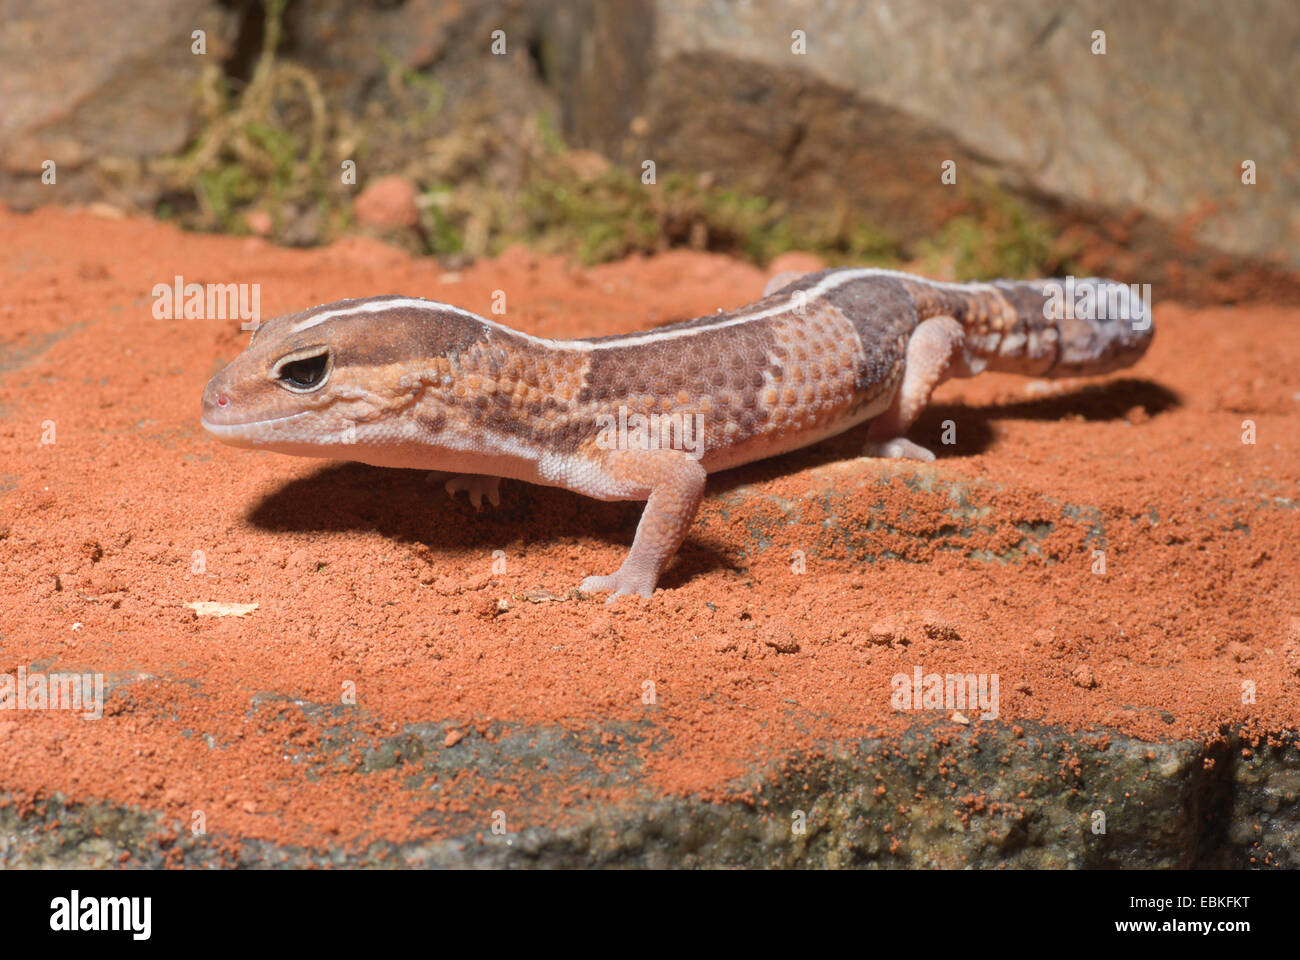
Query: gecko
[399,381]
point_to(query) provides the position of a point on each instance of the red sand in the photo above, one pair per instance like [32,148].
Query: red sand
[376,577]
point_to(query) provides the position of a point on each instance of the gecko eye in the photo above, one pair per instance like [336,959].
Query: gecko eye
[302,374]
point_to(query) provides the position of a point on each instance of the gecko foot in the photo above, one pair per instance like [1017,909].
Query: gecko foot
[897,448]
[623,583]
[477,488]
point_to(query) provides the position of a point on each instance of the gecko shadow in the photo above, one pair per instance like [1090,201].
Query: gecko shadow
[411,506]
[975,432]
[1109,401]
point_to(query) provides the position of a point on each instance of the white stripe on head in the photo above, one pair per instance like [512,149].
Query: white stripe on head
[374,306]
[418,303]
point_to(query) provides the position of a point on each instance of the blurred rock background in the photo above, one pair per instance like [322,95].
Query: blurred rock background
[773,125]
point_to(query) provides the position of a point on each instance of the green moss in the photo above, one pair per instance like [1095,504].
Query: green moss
[262,149]
[442,236]
[615,214]
[224,190]
[422,94]
[998,237]
[259,149]
[549,134]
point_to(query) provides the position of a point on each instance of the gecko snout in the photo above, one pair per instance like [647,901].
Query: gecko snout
[220,403]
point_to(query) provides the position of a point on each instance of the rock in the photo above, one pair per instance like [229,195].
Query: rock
[259,223]
[795,262]
[780,638]
[887,630]
[388,204]
[850,134]
[995,779]
[938,627]
[98,91]
[1240,651]
[884,95]
[1082,676]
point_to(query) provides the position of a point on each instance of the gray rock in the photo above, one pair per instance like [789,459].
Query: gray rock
[1161,123]
[850,134]
[994,795]
[98,88]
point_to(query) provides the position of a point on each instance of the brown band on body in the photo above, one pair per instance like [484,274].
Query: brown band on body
[533,395]
[884,315]
[716,373]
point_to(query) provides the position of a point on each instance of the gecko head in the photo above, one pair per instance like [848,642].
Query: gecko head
[334,380]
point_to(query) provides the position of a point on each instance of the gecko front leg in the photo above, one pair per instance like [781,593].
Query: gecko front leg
[673,484]
[477,487]
[936,352]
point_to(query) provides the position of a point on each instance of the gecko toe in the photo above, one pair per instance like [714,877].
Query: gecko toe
[899,448]
[622,585]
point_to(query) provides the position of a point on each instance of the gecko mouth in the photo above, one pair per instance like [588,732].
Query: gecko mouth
[230,431]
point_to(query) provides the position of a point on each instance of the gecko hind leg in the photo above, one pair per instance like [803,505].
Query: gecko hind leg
[936,352]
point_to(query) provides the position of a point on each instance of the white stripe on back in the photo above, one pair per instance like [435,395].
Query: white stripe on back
[828,283]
